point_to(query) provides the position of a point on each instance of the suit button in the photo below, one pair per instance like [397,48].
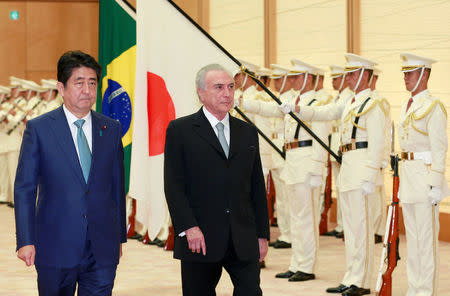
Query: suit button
[84,216]
[87,192]
[227,211]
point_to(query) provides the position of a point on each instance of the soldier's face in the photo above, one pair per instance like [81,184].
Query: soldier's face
[80,91]
[277,83]
[218,95]
[352,78]
[411,78]
[238,79]
[337,82]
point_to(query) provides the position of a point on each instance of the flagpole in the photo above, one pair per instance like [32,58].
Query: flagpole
[295,117]
[282,154]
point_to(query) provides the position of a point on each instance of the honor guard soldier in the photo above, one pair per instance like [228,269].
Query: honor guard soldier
[5,92]
[33,99]
[275,131]
[49,96]
[302,173]
[378,206]
[339,84]
[423,141]
[362,146]
[282,78]
[15,105]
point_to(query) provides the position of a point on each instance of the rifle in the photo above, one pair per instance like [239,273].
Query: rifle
[270,193]
[323,226]
[390,254]
[23,118]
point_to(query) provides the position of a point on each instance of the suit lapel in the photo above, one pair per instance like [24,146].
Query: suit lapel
[235,137]
[99,130]
[63,134]
[204,129]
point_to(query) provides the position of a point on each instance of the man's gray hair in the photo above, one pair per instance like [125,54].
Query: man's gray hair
[201,74]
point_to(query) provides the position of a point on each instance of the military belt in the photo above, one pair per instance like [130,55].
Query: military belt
[297,144]
[353,146]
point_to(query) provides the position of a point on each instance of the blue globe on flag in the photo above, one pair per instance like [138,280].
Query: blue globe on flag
[117,104]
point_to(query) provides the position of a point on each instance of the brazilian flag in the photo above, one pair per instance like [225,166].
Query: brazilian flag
[117,56]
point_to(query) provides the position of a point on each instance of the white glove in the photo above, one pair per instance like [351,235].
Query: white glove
[368,187]
[435,195]
[237,103]
[315,181]
[287,108]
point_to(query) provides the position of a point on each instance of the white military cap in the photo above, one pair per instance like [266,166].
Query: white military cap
[412,62]
[31,85]
[319,71]
[376,71]
[279,70]
[356,62]
[302,67]
[15,82]
[263,72]
[49,84]
[5,90]
[336,71]
[249,66]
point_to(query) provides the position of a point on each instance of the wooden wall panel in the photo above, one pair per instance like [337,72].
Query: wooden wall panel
[12,43]
[32,45]
[56,27]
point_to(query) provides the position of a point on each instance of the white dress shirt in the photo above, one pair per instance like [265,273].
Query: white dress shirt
[214,121]
[87,128]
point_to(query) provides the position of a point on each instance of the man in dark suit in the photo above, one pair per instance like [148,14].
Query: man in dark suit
[69,189]
[215,191]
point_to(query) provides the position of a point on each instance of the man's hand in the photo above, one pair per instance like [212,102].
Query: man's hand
[263,248]
[315,181]
[196,240]
[435,195]
[287,108]
[368,187]
[27,254]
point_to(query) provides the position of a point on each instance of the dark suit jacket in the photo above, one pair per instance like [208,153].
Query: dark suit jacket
[68,211]
[224,197]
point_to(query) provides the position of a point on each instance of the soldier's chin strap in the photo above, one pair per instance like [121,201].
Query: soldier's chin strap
[244,82]
[317,82]
[304,82]
[283,84]
[342,83]
[418,80]
[359,79]
[370,80]
[28,94]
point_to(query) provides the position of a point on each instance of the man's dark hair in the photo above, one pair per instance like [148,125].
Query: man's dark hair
[76,59]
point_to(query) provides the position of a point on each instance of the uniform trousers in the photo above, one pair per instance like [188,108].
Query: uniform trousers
[4,178]
[378,209]
[282,206]
[359,238]
[201,278]
[304,213]
[92,280]
[334,172]
[422,263]
[335,167]
[12,158]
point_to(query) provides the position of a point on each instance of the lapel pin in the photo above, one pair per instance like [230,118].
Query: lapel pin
[101,131]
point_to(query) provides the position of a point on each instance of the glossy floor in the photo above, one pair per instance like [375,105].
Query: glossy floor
[148,270]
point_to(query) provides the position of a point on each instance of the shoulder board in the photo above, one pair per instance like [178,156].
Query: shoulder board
[370,105]
[429,106]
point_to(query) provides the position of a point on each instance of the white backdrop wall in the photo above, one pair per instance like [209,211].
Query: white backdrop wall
[239,27]
[312,31]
